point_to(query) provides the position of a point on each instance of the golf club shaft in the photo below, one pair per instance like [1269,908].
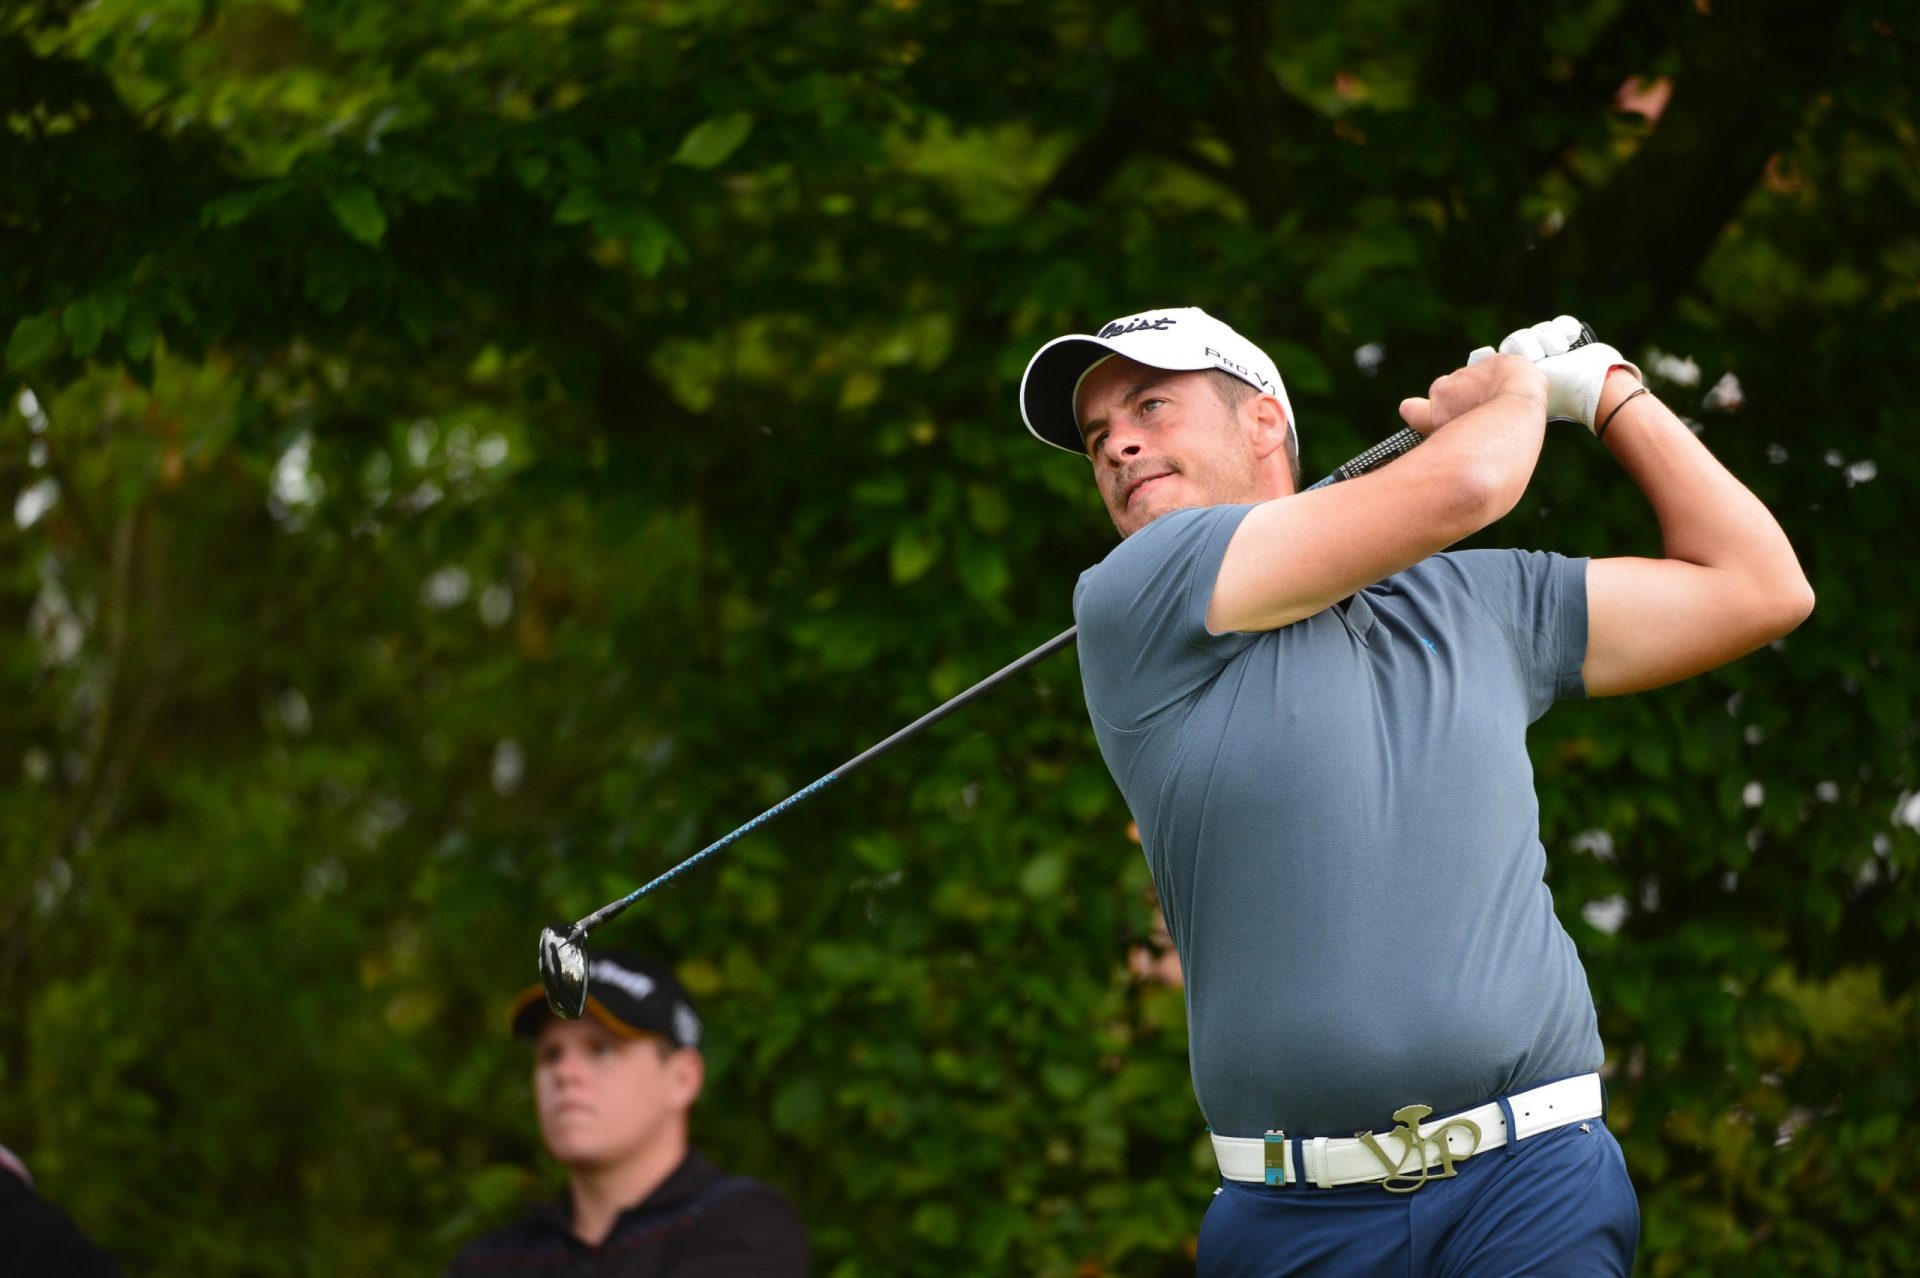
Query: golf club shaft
[1381,453]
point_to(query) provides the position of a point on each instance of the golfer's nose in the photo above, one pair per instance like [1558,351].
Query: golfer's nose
[1123,442]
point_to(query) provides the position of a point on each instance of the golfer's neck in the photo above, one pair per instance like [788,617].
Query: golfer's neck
[600,1194]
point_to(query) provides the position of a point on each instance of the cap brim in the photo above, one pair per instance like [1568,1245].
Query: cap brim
[1046,392]
[1052,380]
[530,1011]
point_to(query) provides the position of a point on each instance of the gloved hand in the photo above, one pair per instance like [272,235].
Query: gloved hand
[1575,370]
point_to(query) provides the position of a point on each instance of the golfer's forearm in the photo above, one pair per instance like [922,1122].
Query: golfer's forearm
[1706,516]
[1291,558]
[1492,450]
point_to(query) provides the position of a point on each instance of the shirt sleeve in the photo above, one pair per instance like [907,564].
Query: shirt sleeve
[1539,600]
[1142,612]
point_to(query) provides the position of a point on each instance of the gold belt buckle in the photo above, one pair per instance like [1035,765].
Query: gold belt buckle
[1409,1116]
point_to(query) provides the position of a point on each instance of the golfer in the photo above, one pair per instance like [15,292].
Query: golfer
[1319,722]
[613,1090]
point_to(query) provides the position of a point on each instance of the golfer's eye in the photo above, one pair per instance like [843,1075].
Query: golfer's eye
[1148,405]
[1093,444]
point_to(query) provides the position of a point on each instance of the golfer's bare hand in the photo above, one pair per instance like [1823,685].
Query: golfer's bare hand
[1465,389]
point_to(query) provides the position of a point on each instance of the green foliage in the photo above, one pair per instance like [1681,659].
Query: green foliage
[467,455]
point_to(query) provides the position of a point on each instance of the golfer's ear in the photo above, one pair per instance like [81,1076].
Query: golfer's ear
[1270,424]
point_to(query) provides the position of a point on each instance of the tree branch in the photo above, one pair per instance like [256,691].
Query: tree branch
[1744,87]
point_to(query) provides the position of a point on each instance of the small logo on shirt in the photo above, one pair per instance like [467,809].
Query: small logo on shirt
[1429,643]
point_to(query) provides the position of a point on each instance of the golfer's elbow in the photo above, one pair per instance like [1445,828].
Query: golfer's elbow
[1771,608]
[1781,595]
[1790,604]
[1482,490]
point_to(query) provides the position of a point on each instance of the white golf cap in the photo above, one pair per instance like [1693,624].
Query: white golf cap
[1180,340]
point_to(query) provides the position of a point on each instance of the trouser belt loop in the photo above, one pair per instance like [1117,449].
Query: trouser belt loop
[1513,1133]
[1299,1162]
[1321,1176]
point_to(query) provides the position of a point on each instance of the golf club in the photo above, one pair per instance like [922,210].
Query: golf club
[563,956]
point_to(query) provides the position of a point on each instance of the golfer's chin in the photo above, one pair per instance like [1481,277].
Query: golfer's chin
[1152,500]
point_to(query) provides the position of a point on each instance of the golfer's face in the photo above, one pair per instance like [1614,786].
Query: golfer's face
[603,1099]
[1160,442]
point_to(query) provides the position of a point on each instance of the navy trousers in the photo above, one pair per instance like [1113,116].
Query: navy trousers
[1559,1204]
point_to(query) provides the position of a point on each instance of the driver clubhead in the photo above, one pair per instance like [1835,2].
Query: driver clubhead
[563,973]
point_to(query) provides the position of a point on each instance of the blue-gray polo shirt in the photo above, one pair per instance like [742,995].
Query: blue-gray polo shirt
[1342,827]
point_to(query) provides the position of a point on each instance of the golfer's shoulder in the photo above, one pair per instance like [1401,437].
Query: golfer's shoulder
[1158,558]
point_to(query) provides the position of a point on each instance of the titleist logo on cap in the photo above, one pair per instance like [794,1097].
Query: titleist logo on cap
[1119,329]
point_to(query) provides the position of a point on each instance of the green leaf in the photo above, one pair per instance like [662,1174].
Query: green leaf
[937,1222]
[800,1104]
[89,318]
[580,205]
[984,571]
[358,210]
[33,340]
[710,142]
[531,170]
[239,205]
[989,508]
[914,551]
[1044,876]
[650,246]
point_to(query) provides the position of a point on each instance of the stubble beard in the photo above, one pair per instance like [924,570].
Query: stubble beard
[1200,492]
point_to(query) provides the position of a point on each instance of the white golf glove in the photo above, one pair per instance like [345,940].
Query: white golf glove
[1575,374]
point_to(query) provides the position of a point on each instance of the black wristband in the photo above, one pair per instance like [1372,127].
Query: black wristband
[1602,432]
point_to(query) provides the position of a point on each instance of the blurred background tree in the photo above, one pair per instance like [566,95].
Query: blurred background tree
[466,455]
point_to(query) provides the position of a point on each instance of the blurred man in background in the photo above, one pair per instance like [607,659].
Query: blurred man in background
[613,1090]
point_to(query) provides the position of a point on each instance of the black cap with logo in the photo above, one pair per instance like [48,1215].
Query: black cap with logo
[630,995]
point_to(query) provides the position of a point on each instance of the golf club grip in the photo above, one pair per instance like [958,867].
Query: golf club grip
[1379,455]
[1407,440]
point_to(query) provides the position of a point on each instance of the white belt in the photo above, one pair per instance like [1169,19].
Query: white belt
[1276,1159]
